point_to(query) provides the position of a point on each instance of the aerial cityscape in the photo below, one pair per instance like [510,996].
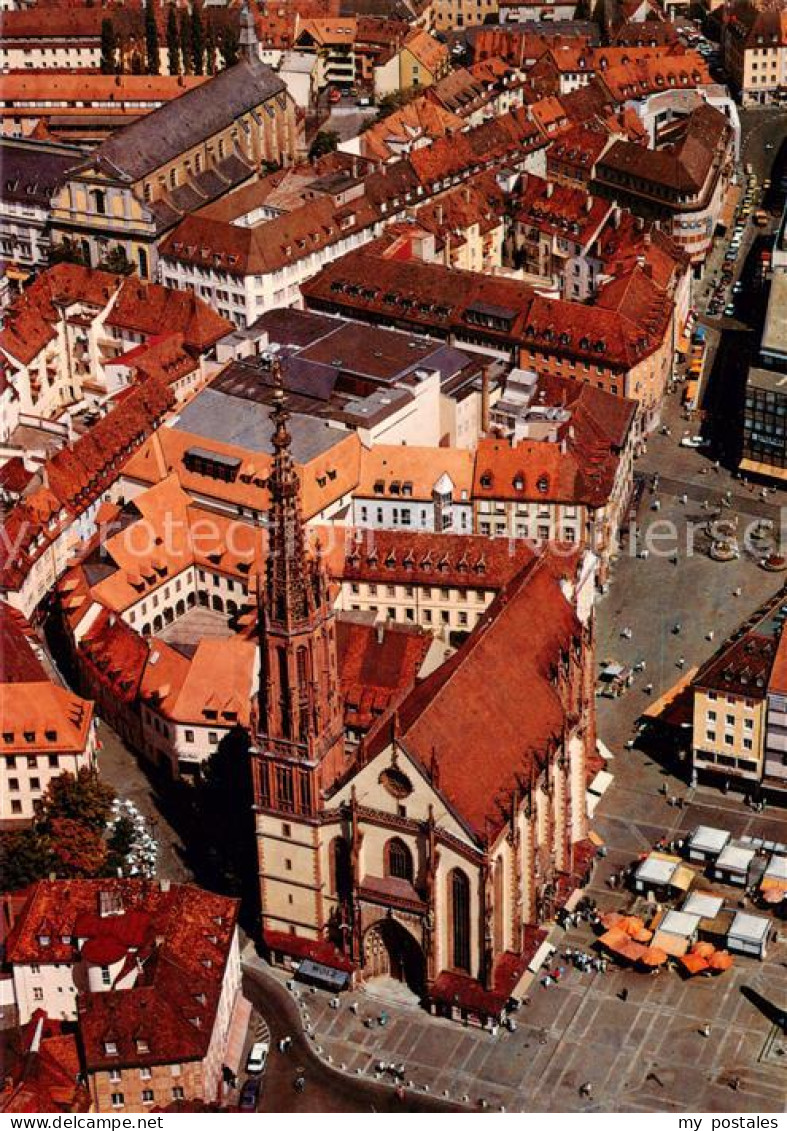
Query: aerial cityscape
[393,561]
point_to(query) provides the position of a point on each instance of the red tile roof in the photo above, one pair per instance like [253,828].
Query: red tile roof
[465,561]
[445,721]
[18,661]
[178,942]
[378,666]
[42,1068]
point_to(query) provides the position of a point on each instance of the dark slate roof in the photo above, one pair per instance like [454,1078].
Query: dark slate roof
[32,171]
[160,136]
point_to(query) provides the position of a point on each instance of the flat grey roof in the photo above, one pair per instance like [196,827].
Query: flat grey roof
[774,334]
[753,928]
[734,858]
[768,379]
[705,838]
[247,424]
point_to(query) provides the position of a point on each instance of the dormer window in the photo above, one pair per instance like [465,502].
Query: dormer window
[543,484]
[110,1048]
[486,480]
[142,1045]
[44,940]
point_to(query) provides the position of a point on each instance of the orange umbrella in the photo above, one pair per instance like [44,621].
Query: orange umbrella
[643,936]
[611,919]
[774,895]
[693,963]
[654,956]
[704,949]
[632,925]
[720,961]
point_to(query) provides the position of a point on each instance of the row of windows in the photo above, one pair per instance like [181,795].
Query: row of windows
[462,618]
[148,1096]
[371,589]
[12,760]
[729,720]
[729,739]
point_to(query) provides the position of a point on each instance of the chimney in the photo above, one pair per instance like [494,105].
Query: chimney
[616,217]
[485,399]
[467,194]
[550,189]
[164,885]
[380,631]
[439,214]
[639,223]
[589,204]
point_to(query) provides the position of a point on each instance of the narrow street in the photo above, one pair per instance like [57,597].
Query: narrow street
[122,770]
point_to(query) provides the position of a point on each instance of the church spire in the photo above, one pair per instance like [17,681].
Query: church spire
[248,44]
[289,585]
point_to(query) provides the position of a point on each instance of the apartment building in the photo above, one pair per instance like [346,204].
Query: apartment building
[63,333]
[32,173]
[754,44]
[47,730]
[150,973]
[682,183]
[421,489]
[738,705]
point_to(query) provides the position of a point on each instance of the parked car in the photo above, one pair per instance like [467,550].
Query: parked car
[693,442]
[729,310]
[250,1094]
[334,95]
[364,100]
[257,1057]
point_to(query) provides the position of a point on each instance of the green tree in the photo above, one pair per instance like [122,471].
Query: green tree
[109,64]
[25,856]
[116,261]
[80,852]
[151,39]
[82,797]
[390,103]
[173,41]
[197,42]
[210,48]
[229,47]
[66,251]
[185,40]
[120,843]
[326,141]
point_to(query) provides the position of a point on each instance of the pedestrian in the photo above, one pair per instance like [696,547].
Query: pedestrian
[737,592]
[624,994]
[735,1083]
[586,1089]
[705,1030]
[354,1007]
[681,662]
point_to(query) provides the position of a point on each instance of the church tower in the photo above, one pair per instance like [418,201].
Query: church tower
[298,748]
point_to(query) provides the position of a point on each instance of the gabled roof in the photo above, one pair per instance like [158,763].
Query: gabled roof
[177,938]
[149,143]
[460,721]
[417,469]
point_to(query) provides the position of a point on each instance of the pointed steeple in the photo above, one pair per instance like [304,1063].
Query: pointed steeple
[289,587]
[248,44]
